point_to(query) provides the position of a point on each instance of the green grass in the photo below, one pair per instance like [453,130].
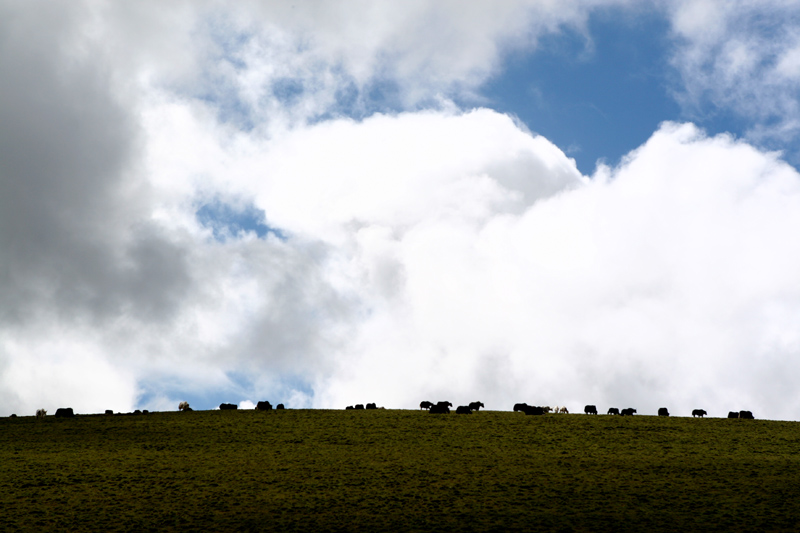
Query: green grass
[393,470]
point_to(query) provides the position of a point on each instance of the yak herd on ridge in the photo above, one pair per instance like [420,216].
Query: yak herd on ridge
[433,408]
[444,408]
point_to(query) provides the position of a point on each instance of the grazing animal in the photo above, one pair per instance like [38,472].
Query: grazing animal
[349,408]
[359,406]
[520,407]
[613,411]
[628,412]
[440,408]
[699,412]
[733,414]
[546,409]
[280,407]
[662,411]
[463,410]
[590,410]
[65,412]
[533,410]
[425,405]
[564,410]
[109,412]
[228,407]
[263,406]
[183,406]
[476,406]
[371,406]
[747,415]
[12,415]
[41,413]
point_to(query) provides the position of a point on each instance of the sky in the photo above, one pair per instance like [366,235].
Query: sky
[321,204]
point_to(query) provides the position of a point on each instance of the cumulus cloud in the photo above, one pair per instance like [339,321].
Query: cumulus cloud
[471,258]
[668,280]
[346,192]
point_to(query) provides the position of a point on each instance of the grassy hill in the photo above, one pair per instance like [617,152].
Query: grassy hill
[397,470]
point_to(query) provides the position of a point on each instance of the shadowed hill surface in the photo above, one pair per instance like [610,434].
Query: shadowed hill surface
[382,470]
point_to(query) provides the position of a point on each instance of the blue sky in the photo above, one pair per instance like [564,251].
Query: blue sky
[228,221]
[597,96]
[330,204]
[600,92]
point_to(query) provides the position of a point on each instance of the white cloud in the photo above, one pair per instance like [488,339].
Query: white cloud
[670,281]
[84,377]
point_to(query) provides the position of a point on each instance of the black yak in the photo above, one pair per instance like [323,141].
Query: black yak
[590,410]
[440,408]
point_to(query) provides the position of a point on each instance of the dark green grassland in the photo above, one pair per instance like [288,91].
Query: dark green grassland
[394,470]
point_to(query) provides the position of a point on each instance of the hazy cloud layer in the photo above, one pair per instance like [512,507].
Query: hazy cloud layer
[419,251]
[741,58]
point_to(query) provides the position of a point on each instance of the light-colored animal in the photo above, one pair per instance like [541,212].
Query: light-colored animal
[41,413]
[563,410]
[183,406]
[556,408]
